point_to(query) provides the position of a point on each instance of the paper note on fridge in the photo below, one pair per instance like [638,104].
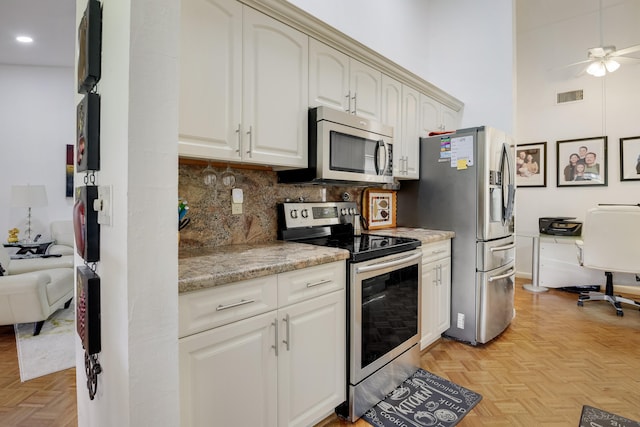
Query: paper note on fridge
[462,149]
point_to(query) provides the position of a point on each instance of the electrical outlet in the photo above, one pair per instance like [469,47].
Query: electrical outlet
[460,324]
[236,208]
[103,205]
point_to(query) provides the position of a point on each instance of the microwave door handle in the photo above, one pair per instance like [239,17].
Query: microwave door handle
[378,163]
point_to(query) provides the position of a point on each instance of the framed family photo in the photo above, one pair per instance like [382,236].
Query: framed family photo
[531,165]
[630,159]
[582,162]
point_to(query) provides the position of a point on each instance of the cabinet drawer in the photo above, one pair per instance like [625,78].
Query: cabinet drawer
[436,250]
[300,285]
[206,309]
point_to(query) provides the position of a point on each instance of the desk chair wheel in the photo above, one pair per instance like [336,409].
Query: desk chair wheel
[580,303]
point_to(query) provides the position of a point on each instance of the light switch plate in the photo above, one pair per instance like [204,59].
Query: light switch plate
[104,203]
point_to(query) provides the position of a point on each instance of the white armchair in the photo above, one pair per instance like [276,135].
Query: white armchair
[611,242]
[32,289]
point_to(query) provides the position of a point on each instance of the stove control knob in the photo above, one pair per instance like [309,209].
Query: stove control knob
[343,211]
[304,213]
[352,211]
[294,213]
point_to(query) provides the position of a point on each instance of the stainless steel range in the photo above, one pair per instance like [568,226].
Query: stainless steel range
[383,297]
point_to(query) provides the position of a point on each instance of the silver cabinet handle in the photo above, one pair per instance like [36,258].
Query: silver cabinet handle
[287,339]
[321,282]
[355,100]
[239,132]
[502,276]
[502,248]
[348,96]
[438,251]
[250,142]
[275,325]
[235,304]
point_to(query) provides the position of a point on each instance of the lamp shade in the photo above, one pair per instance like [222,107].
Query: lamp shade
[28,196]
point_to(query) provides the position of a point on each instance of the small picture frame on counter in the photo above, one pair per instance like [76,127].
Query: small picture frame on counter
[379,208]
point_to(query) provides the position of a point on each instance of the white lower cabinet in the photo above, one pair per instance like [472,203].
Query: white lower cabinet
[284,367]
[436,291]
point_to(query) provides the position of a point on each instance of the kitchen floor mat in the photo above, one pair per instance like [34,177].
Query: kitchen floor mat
[597,417]
[423,399]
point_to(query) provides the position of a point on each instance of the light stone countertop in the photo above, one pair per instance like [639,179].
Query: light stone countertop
[213,266]
[422,234]
[207,267]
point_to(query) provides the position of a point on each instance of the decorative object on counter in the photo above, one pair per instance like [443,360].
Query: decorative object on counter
[424,399]
[630,159]
[597,417]
[13,235]
[582,162]
[28,196]
[531,165]
[379,208]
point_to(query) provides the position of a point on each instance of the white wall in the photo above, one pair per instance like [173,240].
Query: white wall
[464,47]
[38,121]
[139,252]
[547,40]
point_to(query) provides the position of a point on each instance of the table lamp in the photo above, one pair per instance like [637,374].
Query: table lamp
[28,196]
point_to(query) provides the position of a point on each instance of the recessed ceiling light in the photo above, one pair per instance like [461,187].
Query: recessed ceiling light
[24,39]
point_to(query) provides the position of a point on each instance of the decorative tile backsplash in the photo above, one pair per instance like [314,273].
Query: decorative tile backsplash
[212,223]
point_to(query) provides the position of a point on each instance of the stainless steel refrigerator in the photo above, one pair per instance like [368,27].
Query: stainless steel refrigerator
[467,185]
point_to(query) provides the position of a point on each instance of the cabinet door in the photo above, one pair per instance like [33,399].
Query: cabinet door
[210,79]
[411,133]
[328,76]
[228,375]
[275,92]
[442,318]
[366,90]
[392,116]
[311,360]
[450,119]
[428,333]
[429,115]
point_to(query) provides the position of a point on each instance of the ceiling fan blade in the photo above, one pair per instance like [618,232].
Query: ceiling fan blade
[586,61]
[626,50]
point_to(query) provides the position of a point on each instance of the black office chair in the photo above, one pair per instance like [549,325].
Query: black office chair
[611,242]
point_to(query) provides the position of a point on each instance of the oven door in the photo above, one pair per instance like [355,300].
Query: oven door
[384,311]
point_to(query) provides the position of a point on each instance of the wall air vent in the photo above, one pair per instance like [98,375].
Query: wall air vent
[572,96]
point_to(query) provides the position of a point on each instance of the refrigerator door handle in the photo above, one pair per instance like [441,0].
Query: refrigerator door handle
[502,276]
[502,248]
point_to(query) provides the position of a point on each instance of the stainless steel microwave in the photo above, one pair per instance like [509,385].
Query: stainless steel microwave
[345,149]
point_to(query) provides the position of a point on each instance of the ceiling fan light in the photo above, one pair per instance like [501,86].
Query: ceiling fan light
[597,69]
[611,65]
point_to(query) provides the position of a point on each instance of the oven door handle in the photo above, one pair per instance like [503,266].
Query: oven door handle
[392,263]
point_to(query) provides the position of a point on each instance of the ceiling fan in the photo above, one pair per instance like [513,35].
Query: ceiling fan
[603,59]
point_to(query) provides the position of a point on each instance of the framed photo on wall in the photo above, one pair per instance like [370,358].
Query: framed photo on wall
[582,162]
[379,208]
[630,159]
[531,165]
[90,47]
[88,133]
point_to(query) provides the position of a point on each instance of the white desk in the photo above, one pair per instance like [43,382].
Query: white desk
[559,267]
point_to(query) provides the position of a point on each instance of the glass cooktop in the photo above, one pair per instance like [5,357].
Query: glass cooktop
[366,246]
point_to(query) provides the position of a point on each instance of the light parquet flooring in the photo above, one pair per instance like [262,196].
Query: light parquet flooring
[553,358]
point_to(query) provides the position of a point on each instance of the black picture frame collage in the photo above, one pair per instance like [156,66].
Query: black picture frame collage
[85,217]
[581,162]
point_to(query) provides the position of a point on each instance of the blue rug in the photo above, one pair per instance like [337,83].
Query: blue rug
[597,417]
[424,399]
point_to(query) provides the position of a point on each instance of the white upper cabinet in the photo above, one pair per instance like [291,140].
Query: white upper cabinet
[244,86]
[436,117]
[341,82]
